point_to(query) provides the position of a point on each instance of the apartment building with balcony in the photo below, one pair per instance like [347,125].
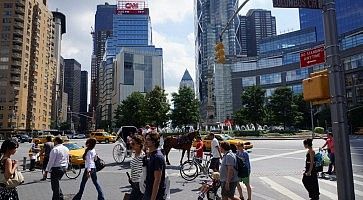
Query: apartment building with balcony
[27,65]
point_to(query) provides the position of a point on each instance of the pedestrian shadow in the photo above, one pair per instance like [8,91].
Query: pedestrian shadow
[173,167]
[175,190]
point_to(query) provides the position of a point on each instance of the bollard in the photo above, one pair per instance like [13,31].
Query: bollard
[24,163]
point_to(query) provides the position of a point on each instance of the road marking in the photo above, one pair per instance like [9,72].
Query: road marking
[356,175]
[358,154]
[358,182]
[277,155]
[357,165]
[274,149]
[322,191]
[357,192]
[279,188]
[261,196]
[296,158]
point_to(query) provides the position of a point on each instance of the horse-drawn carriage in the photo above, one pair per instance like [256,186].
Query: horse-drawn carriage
[122,149]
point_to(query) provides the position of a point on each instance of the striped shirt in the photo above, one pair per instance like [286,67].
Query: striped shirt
[136,168]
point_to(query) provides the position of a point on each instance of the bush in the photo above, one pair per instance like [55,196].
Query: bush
[319,130]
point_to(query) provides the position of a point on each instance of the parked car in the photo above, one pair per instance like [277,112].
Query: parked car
[43,138]
[24,138]
[223,137]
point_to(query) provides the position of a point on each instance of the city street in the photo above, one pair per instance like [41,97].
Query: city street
[277,167]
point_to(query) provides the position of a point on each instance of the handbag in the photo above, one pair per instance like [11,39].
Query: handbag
[16,179]
[100,164]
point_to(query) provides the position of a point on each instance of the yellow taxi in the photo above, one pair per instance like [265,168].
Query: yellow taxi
[75,152]
[102,136]
[41,139]
[207,140]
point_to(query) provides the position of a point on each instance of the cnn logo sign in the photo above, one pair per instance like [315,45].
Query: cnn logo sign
[132,6]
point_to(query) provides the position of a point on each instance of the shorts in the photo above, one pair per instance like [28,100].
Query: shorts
[214,163]
[245,180]
[232,189]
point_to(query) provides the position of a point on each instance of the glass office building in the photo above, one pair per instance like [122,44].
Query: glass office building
[213,81]
[279,65]
[349,17]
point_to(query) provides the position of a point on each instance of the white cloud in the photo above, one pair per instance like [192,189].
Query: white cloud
[177,57]
[165,11]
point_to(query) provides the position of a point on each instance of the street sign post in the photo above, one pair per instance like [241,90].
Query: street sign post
[312,4]
[312,57]
[338,107]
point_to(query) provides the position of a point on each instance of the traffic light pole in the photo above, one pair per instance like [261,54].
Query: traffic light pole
[231,19]
[343,162]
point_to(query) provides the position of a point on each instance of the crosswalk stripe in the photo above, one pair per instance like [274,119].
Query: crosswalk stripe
[279,188]
[358,182]
[322,191]
[356,175]
[262,196]
[357,192]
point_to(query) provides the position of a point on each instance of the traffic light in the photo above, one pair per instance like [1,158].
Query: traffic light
[220,56]
[316,87]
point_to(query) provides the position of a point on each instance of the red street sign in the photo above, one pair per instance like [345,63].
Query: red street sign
[312,57]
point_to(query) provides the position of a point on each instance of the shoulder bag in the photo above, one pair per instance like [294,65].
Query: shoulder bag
[100,164]
[16,179]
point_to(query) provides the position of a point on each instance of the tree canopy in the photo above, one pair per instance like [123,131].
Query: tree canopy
[130,111]
[186,108]
[156,107]
[253,100]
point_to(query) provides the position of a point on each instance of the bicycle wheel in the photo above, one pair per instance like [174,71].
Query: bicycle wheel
[189,170]
[73,171]
[119,153]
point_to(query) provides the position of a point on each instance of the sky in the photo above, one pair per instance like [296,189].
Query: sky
[173,30]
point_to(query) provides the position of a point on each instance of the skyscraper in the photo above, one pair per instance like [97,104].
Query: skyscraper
[213,81]
[242,35]
[260,24]
[130,63]
[83,101]
[72,86]
[349,17]
[187,81]
[103,30]
[27,65]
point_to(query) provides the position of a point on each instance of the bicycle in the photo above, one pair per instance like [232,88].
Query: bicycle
[72,171]
[191,169]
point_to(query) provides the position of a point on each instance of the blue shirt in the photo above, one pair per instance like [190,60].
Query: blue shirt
[155,162]
[246,158]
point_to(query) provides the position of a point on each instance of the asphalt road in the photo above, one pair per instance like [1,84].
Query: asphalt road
[277,167]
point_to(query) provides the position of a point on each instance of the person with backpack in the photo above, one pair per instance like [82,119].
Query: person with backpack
[90,170]
[310,177]
[330,144]
[242,153]
[228,172]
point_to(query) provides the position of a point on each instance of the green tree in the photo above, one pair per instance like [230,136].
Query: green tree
[302,112]
[281,107]
[186,108]
[157,107]
[64,126]
[131,111]
[253,100]
[239,117]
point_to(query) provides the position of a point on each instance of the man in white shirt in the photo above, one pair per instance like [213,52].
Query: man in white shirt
[216,153]
[57,165]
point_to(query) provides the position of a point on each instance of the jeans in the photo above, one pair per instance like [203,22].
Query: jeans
[56,175]
[332,162]
[311,184]
[83,184]
[135,192]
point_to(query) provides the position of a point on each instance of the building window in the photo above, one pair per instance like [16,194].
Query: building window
[4,59]
[248,81]
[270,78]
[298,74]
[1,116]
[270,92]
[8,5]
[297,89]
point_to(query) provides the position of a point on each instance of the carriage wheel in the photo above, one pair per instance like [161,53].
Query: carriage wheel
[119,153]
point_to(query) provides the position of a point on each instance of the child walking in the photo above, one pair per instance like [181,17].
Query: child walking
[90,170]
[242,153]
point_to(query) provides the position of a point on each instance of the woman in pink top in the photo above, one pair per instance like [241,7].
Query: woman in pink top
[330,144]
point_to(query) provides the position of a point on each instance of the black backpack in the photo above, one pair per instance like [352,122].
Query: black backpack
[241,167]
